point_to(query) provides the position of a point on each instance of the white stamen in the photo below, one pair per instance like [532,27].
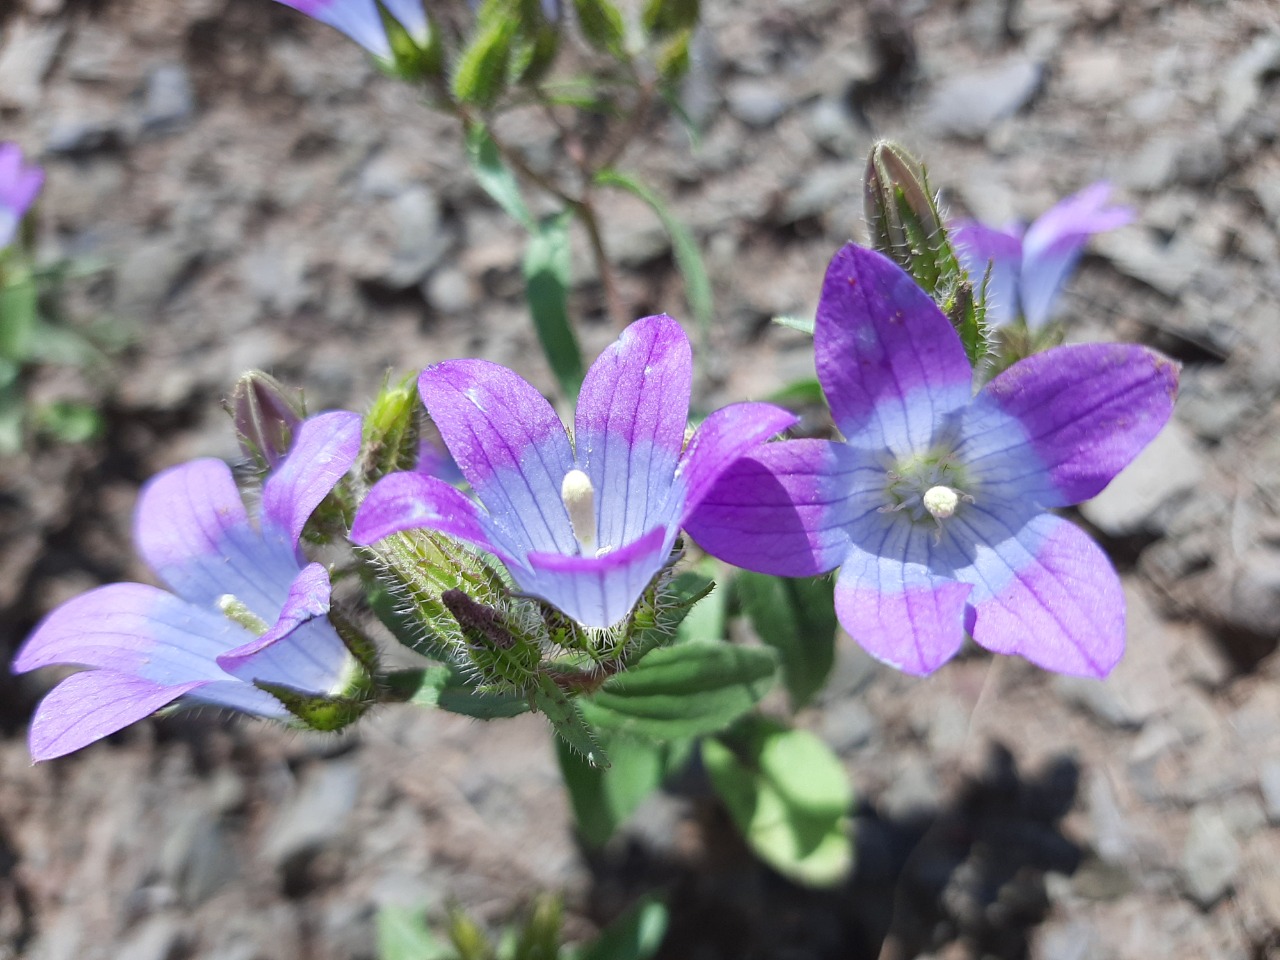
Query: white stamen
[580,500]
[941,502]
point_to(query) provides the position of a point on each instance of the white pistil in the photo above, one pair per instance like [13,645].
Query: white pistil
[236,611]
[580,500]
[941,502]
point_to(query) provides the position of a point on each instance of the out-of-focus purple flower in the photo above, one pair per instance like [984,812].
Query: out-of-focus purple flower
[361,20]
[19,184]
[583,524]
[1029,266]
[935,506]
[244,607]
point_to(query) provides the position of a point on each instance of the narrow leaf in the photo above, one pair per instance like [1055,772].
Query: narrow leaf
[796,618]
[495,177]
[636,935]
[697,285]
[687,690]
[403,935]
[603,799]
[547,267]
[602,26]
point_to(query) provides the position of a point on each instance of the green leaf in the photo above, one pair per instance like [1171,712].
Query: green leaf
[18,317]
[480,75]
[790,797]
[706,618]
[687,690]
[602,26]
[797,618]
[603,799]
[495,177]
[697,285]
[547,264]
[403,935]
[636,935]
[800,395]
[70,422]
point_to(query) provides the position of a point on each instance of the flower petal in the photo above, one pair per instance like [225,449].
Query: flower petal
[509,444]
[301,650]
[191,528]
[358,19]
[323,450]
[630,424]
[411,500]
[1055,241]
[890,363]
[721,439]
[1085,412]
[787,508]
[135,629]
[88,706]
[1043,590]
[979,247]
[597,591]
[893,602]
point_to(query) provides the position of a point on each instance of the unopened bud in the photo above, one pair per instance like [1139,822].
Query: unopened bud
[390,441]
[266,416]
[901,213]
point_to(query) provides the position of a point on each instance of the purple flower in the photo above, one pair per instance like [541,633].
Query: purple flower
[584,524]
[935,506]
[19,184]
[1029,267]
[243,608]
[361,20]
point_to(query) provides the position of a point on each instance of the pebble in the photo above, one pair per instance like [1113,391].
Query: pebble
[169,100]
[28,53]
[449,290]
[1269,783]
[757,103]
[317,814]
[969,105]
[1210,857]
[1170,465]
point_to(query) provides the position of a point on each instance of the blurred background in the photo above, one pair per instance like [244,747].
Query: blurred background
[236,186]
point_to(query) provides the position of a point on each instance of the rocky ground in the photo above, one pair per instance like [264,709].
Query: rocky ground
[257,195]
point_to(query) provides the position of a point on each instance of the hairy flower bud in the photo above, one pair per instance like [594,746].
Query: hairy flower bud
[266,416]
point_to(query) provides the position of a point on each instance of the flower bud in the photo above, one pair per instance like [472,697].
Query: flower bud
[266,416]
[390,440]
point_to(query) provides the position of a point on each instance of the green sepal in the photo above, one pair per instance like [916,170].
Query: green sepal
[358,644]
[318,711]
[566,720]
[906,225]
[481,72]
[664,17]
[391,427]
[500,656]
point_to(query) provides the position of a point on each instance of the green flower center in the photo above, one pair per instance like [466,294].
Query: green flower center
[926,488]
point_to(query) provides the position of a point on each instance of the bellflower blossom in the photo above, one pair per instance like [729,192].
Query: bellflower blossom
[935,505]
[19,184]
[244,607]
[1029,266]
[361,20]
[584,524]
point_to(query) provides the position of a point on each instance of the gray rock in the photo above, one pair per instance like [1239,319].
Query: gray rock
[1170,465]
[148,275]
[159,938]
[450,290]
[1210,857]
[1242,82]
[969,105]
[757,103]
[833,128]
[846,725]
[1073,940]
[1165,268]
[197,858]
[1269,783]
[1099,698]
[168,101]
[913,793]
[1111,834]
[26,57]
[822,190]
[317,814]
[1252,601]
